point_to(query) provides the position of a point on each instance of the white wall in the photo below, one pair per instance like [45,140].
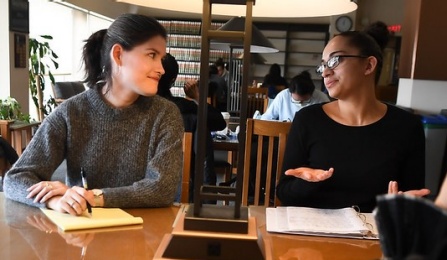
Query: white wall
[69,28]
[4,50]
[424,96]
[13,81]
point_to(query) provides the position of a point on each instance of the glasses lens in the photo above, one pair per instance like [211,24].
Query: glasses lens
[319,69]
[333,62]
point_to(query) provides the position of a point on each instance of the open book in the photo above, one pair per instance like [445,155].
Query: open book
[345,222]
[101,217]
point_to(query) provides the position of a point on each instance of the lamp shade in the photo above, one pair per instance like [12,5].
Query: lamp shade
[255,58]
[262,8]
[259,43]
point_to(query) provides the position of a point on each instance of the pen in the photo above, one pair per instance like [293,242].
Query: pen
[84,183]
[83,252]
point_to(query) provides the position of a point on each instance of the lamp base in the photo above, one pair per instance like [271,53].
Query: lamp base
[216,218]
[186,244]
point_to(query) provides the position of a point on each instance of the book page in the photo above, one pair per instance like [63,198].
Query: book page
[101,217]
[343,220]
[276,219]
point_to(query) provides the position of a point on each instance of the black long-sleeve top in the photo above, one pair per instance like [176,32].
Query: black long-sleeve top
[364,158]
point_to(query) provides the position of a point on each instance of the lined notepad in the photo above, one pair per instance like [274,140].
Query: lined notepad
[101,217]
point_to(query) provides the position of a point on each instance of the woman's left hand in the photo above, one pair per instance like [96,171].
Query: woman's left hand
[393,188]
[44,190]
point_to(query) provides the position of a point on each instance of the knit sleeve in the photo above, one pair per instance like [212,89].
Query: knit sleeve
[47,145]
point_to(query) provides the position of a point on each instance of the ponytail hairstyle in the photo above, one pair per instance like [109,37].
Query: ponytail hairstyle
[302,84]
[128,30]
[370,42]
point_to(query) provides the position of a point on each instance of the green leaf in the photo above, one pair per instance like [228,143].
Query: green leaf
[41,56]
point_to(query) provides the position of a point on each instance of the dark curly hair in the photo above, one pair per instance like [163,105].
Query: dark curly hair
[370,42]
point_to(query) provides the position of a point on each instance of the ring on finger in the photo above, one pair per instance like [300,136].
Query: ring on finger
[73,204]
[48,185]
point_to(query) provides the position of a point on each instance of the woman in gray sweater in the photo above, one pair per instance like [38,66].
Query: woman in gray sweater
[126,139]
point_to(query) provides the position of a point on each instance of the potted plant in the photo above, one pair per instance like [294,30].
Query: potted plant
[10,110]
[41,59]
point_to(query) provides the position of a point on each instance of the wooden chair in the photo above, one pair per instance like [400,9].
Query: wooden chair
[187,157]
[271,130]
[65,90]
[259,92]
[8,156]
[257,99]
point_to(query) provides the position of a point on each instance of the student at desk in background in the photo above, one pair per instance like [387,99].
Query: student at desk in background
[300,93]
[188,108]
[345,152]
[218,89]
[119,131]
[273,80]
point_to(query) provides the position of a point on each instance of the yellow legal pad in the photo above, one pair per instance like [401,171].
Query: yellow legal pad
[101,217]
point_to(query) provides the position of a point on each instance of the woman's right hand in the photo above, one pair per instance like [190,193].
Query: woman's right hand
[309,174]
[73,202]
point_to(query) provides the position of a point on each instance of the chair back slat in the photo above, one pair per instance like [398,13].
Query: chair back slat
[257,99]
[264,131]
[186,175]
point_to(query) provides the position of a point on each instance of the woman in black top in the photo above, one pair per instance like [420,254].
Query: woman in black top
[346,152]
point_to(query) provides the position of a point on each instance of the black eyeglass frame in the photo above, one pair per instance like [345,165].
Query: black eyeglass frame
[335,61]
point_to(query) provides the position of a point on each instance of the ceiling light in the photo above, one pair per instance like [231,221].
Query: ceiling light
[262,8]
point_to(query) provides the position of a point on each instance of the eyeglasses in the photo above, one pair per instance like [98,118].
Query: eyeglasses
[333,62]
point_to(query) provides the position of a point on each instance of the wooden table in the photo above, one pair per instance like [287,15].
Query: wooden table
[13,132]
[23,236]
[226,145]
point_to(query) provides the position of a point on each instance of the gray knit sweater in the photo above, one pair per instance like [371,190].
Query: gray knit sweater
[133,154]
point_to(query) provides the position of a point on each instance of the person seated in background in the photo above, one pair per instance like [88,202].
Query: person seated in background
[119,131]
[188,108]
[274,81]
[222,70]
[300,93]
[8,156]
[217,89]
[345,152]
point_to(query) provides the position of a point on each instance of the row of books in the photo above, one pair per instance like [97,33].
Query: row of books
[185,54]
[186,27]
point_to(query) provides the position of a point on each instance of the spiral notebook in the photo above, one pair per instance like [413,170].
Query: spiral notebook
[345,222]
[101,218]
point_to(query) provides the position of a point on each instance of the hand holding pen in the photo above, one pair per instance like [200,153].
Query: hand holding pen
[84,183]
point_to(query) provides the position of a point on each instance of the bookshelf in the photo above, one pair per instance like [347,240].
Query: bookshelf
[184,41]
[300,47]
